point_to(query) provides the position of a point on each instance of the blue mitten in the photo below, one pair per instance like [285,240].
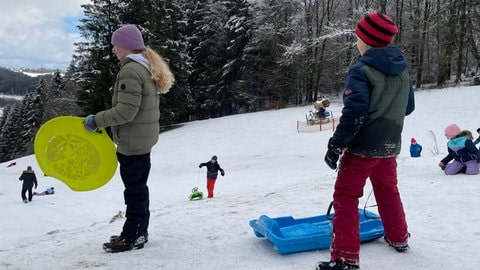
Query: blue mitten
[89,123]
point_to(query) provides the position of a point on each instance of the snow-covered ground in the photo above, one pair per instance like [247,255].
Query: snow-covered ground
[11,97]
[270,169]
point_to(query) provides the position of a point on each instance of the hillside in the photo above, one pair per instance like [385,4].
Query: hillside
[270,169]
[13,82]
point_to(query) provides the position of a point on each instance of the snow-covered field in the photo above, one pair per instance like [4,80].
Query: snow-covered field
[270,169]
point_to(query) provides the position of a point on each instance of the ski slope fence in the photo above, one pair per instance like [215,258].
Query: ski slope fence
[304,127]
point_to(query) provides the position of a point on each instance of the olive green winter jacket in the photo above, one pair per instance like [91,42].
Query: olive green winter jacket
[134,116]
[378,94]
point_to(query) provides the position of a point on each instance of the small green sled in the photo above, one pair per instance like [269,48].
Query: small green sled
[196,195]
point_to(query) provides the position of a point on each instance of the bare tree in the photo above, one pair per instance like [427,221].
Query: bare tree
[461,38]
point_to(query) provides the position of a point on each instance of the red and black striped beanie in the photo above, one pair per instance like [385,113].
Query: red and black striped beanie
[376,29]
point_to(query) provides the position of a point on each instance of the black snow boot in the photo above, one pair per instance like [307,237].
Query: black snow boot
[398,247]
[117,246]
[137,244]
[336,265]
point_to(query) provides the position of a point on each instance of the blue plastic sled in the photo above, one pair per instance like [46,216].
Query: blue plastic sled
[290,235]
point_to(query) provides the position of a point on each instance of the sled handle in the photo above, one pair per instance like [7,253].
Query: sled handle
[330,210]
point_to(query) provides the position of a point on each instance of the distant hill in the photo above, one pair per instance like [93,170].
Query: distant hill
[13,82]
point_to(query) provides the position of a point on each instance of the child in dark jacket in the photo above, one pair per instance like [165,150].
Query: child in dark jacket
[462,151]
[29,181]
[378,94]
[212,172]
[415,148]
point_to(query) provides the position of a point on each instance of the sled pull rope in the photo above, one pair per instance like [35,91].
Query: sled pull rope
[365,207]
[198,176]
[329,210]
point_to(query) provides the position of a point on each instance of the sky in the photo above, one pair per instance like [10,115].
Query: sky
[270,169]
[38,34]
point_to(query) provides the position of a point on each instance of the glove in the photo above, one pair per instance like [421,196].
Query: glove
[200,166]
[333,154]
[331,158]
[442,166]
[222,173]
[89,124]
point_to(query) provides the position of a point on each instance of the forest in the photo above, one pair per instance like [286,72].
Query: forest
[237,56]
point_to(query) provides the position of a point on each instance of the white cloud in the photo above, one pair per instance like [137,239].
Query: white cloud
[37,33]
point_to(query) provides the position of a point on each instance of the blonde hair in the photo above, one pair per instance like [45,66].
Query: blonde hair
[161,73]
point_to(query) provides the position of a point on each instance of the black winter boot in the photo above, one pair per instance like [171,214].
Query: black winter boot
[398,247]
[117,246]
[137,244]
[336,265]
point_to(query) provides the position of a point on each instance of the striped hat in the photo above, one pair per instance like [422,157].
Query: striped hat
[376,29]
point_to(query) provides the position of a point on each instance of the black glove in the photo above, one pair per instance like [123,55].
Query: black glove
[222,173]
[333,154]
[331,158]
[200,166]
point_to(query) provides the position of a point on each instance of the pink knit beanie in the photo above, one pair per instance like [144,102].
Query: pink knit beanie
[453,130]
[128,37]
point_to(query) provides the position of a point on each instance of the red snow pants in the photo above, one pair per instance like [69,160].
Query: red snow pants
[210,187]
[352,175]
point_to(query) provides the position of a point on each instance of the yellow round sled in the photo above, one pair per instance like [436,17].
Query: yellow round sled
[65,150]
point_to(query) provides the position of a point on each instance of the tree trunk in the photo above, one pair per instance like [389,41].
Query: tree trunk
[446,34]
[461,40]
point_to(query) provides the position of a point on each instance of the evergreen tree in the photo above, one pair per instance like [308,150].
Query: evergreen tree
[5,120]
[60,97]
[167,36]
[93,58]
[238,31]
[266,83]
[21,125]
[207,51]
[58,84]
[30,120]
[10,131]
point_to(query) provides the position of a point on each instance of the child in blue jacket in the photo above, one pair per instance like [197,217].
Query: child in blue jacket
[415,148]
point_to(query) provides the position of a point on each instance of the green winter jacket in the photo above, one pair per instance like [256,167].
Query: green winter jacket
[378,94]
[134,116]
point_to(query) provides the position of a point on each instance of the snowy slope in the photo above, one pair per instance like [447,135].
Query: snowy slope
[270,169]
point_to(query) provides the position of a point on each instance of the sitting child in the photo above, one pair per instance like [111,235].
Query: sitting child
[48,191]
[415,148]
[478,139]
[461,150]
